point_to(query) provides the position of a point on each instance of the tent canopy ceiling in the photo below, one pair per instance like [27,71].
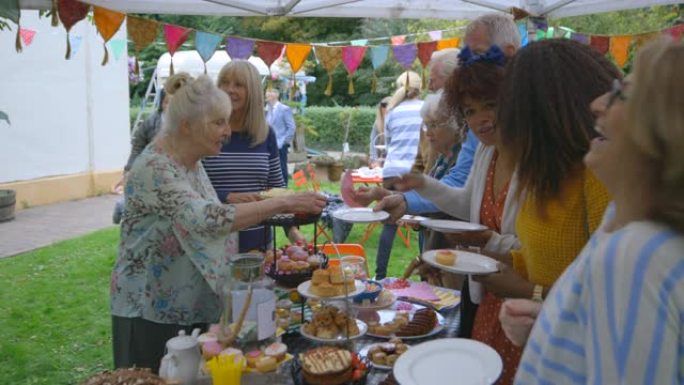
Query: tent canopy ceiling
[405,9]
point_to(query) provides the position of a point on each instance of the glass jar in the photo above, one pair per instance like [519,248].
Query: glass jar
[259,325]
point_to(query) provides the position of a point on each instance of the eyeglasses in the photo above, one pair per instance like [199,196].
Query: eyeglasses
[616,93]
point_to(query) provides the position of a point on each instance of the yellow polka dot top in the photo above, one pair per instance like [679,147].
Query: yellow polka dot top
[552,238]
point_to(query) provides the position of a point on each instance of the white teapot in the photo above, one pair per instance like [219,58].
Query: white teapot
[182,359]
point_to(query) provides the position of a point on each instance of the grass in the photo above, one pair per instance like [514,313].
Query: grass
[55,324]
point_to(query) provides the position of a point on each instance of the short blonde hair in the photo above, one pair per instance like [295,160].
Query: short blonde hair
[246,73]
[655,125]
[408,87]
[194,101]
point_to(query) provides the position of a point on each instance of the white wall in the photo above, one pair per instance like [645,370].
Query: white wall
[67,116]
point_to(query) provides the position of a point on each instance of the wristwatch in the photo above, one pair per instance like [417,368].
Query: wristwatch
[537,293]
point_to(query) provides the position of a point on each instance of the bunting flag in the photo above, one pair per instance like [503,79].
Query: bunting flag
[27,36]
[676,32]
[299,178]
[352,58]
[378,58]
[541,34]
[405,54]
[175,37]
[142,33]
[330,58]
[580,37]
[75,44]
[9,9]
[296,55]
[425,51]
[269,52]
[619,49]
[70,13]
[435,35]
[641,39]
[359,42]
[206,44]
[239,48]
[107,23]
[600,44]
[118,47]
[522,29]
[453,42]
[398,40]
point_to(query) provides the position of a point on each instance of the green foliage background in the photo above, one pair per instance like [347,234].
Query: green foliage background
[329,124]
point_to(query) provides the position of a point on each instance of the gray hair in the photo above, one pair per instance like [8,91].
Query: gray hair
[434,109]
[500,27]
[194,100]
[448,58]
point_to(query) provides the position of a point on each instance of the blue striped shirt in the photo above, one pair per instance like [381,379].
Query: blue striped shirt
[615,316]
[241,168]
[402,136]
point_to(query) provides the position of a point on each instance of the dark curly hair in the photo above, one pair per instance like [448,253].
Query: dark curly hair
[544,114]
[479,81]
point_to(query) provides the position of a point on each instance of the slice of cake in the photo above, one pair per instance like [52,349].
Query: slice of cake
[326,365]
[445,257]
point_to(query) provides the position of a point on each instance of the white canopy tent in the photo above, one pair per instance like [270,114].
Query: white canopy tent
[405,9]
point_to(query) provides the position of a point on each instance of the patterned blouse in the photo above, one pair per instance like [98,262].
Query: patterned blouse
[175,242]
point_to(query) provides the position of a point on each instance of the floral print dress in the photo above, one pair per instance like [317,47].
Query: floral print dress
[175,242]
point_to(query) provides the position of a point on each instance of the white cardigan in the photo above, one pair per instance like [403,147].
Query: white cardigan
[465,202]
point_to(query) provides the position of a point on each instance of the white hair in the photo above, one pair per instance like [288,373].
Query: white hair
[434,109]
[448,58]
[500,27]
[194,100]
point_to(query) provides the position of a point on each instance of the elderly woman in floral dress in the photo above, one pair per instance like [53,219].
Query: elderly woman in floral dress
[176,236]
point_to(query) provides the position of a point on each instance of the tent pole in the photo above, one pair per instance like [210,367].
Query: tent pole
[556,6]
[239,5]
[323,5]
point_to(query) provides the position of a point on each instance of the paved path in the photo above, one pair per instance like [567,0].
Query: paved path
[43,225]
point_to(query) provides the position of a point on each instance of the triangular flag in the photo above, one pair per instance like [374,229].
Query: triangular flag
[71,12]
[27,36]
[352,58]
[619,48]
[107,23]
[425,51]
[269,51]
[296,55]
[379,56]
[75,44]
[239,48]
[142,33]
[175,37]
[522,29]
[330,58]
[453,42]
[435,35]
[206,44]
[118,47]
[600,44]
[580,37]
[676,32]
[541,34]
[359,42]
[398,40]
[405,54]
[641,39]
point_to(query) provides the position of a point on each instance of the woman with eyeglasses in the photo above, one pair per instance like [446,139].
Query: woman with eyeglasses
[616,314]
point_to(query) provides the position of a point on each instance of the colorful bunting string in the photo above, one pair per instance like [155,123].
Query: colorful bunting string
[206,44]
[107,23]
[239,48]
[398,40]
[435,35]
[330,58]
[175,37]
[676,32]
[425,51]
[405,54]
[75,44]
[70,13]
[269,52]
[359,42]
[27,36]
[600,44]
[378,58]
[453,42]
[619,49]
[142,33]
[118,47]
[352,58]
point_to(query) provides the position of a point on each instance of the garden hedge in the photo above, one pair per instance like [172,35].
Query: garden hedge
[326,127]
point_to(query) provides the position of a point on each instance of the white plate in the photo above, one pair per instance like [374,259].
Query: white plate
[413,219]
[388,315]
[363,328]
[360,215]
[428,363]
[364,352]
[450,226]
[466,263]
[304,287]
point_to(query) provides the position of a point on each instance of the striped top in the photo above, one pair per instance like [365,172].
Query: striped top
[402,136]
[241,168]
[616,315]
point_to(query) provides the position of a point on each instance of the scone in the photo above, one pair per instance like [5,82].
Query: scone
[445,257]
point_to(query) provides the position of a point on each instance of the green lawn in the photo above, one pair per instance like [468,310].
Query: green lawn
[54,306]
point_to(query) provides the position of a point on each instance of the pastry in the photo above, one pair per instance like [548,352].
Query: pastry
[266,364]
[253,357]
[379,358]
[336,274]
[324,290]
[211,349]
[320,276]
[207,337]
[423,322]
[236,353]
[445,257]
[125,377]
[326,366]
[386,354]
[276,350]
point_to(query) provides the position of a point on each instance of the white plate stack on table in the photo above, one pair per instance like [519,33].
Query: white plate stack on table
[436,362]
[360,215]
[451,226]
[461,262]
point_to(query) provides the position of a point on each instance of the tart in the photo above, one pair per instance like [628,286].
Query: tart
[445,257]
[326,365]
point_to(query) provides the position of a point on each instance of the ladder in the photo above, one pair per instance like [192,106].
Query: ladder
[151,92]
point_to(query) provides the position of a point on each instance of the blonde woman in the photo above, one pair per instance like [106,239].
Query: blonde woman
[377,134]
[176,236]
[615,315]
[249,162]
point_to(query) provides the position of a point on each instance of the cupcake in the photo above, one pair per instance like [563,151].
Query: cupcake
[252,357]
[207,337]
[236,353]
[276,350]
[211,349]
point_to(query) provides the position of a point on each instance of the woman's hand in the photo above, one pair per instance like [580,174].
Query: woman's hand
[506,283]
[470,238]
[517,317]
[394,204]
[408,182]
[305,202]
[243,197]
[365,195]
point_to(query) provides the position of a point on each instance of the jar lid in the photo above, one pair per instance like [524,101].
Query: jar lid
[181,342]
